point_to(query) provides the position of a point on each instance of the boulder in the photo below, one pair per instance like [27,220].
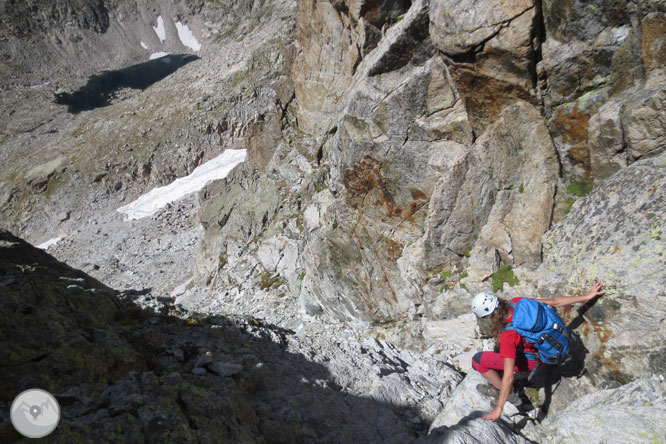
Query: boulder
[458,337]
[40,174]
[474,430]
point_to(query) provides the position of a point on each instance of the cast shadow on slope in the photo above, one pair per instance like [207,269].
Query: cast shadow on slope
[121,373]
[100,89]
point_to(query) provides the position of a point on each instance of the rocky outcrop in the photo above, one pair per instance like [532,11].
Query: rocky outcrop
[503,201]
[334,35]
[386,160]
[399,154]
[51,312]
[111,365]
[460,420]
[632,413]
[616,234]
[599,59]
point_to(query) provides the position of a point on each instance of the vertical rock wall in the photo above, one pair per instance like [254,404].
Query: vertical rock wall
[436,143]
[450,150]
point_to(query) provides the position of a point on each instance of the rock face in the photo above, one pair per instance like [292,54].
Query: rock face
[635,412]
[599,59]
[496,36]
[504,199]
[460,420]
[615,234]
[433,158]
[334,35]
[387,161]
[402,155]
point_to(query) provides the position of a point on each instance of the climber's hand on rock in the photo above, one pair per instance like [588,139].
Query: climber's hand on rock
[595,290]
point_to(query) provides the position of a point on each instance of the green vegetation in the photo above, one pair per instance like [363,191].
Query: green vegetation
[504,274]
[222,261]
[521,188]
[268,280]
[579,189]
[450,281]
[656,234]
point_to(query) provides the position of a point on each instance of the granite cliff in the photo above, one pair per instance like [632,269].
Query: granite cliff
[401,156]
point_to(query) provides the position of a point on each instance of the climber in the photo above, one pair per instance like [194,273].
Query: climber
[515,353]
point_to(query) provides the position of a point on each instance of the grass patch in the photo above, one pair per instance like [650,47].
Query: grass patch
[579,189]
[504,274]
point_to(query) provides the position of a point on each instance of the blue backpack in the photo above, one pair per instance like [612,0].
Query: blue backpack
[541,326]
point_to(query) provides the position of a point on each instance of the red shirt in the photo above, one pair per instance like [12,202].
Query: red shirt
[510,340]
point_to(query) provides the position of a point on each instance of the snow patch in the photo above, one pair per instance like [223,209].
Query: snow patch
[214,169]
[186,37]
[157,55]
[144,46]
[160,30]
[49,243]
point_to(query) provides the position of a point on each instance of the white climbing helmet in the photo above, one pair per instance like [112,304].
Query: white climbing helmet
[484,304]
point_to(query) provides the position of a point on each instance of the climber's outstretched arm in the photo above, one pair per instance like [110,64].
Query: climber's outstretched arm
[563,301]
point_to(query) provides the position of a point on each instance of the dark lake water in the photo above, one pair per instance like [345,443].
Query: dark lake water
[100,89]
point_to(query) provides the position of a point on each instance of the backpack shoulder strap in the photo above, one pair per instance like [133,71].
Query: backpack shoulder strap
[509,326]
